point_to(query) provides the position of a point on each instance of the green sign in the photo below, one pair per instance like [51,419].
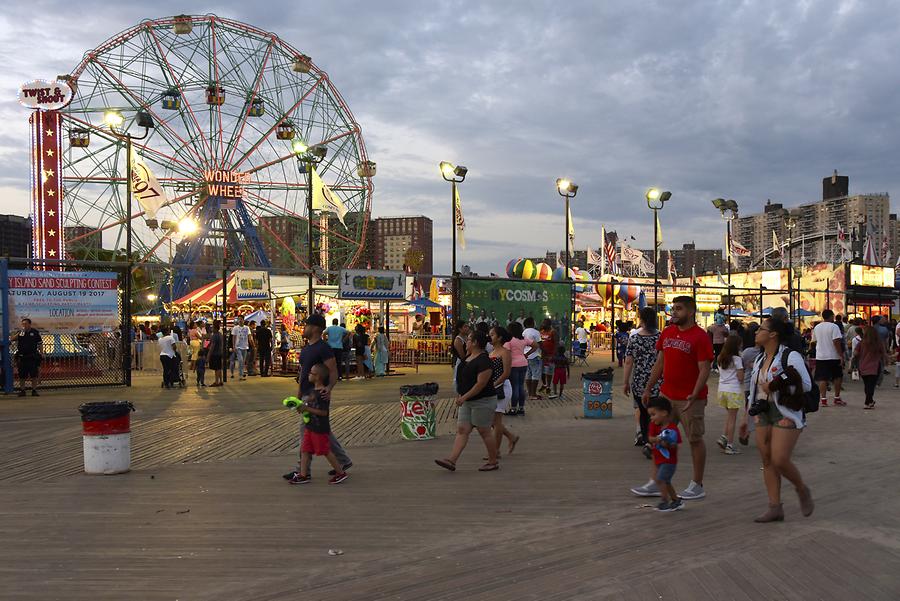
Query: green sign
[505,300]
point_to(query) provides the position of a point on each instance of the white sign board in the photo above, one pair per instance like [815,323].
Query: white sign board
[368,284]
[252,285]
[45,95]
[65,301]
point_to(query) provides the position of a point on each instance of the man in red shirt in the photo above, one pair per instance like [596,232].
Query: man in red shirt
[683,359]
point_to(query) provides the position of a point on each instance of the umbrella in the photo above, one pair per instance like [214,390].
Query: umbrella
[424,303]
[739,313]
[804,313]
[764,313]
[257,316]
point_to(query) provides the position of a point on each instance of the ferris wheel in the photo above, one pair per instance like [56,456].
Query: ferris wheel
[229,106]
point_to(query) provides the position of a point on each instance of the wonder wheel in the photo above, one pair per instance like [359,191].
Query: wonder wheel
[229,107]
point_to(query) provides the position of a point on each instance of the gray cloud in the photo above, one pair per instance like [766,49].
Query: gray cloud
[748,100]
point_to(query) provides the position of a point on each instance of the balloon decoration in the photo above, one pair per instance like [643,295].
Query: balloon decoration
[524,269]
[288,311]
[628,291]
[510,268]
[580,276]
[559,274]
[605,290]
[542,271]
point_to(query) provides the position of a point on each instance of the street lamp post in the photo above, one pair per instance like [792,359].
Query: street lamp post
[310,156]
[729,210]
[455,175]
[186,227]
[115,120]
[567,189]
[790,223]
[656,199]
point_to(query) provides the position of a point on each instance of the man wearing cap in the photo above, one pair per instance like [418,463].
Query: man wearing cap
[317,351]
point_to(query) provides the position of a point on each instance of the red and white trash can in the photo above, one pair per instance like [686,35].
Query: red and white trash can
[106,433]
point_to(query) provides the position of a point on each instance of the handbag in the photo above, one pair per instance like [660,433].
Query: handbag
[854,375]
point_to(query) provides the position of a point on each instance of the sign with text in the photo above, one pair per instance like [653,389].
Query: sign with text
[871,275]
[45,95]
[369,284]
[74,302]
[252,285]
[502,300]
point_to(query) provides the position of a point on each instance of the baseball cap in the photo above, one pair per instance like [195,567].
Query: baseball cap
[316,320]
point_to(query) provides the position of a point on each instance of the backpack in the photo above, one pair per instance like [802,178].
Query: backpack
[810,397]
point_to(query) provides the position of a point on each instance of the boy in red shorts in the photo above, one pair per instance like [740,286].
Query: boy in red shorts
[315,434]
[560,371]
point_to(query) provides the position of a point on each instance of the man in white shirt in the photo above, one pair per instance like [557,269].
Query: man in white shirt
[829,357]
[535,363]
[167,357]
[581,335]
[240,342]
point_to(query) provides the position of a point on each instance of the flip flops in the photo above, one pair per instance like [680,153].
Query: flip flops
[446,464]
[489,467]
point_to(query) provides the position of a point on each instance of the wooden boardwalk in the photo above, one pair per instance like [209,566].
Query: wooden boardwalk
[206,516]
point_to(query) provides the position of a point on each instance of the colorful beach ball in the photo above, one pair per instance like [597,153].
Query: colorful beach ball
[628,291]
[542,271]
[510,268]
[524,269]
[559,274]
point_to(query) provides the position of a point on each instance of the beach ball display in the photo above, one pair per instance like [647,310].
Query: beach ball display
[510,268]
[605,290]
[559,274]
[524,269]
[628,291]
[542,271]
[581,277]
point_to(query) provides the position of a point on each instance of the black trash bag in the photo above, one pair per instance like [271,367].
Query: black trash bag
[601,375]
[427,389]
[104,410]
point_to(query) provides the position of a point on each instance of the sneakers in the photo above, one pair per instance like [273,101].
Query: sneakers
[344,467]
[722,442]
[838,401]
[693,492]
[338,478]
[675,505]
[290,475]
[731,450]
[823,402]
[298,479]
[639,440]
[647,490]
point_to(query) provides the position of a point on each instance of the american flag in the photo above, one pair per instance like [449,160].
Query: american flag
[610,249]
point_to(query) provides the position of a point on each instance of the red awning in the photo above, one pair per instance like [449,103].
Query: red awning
[210,294]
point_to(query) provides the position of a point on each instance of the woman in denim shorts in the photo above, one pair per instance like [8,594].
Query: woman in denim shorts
[777,427]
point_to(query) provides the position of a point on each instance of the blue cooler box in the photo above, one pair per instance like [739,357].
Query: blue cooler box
[597,398]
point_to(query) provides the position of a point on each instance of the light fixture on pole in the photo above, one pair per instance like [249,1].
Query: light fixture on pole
[309,156]
[186,227]
[729,210]
[656,199]
[455,174]
[115,121]
[567,189]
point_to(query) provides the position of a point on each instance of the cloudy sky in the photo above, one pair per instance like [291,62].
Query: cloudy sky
[747,100]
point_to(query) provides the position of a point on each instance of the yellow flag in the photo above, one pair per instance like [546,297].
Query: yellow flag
[324,199]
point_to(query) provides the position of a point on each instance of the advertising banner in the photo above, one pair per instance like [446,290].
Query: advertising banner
[252,285]
[503,300]
[65,302]
[369,284]
[871,275]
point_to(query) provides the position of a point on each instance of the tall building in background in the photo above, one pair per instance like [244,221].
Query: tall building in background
[15,236]
[83,242]
[702,260]
[817,226]
[390,240]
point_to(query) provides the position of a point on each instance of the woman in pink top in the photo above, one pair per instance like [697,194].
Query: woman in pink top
[871,357]
[517,346]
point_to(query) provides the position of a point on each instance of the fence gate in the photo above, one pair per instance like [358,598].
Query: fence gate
[79,315]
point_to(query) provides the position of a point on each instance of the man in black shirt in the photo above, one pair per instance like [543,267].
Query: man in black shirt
[317,351]
[264,348]
[28,354]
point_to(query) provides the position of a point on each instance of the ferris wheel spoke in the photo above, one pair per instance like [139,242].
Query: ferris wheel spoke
[242,122]
[268,133]
[141,104]
[215,64]
[178,85]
